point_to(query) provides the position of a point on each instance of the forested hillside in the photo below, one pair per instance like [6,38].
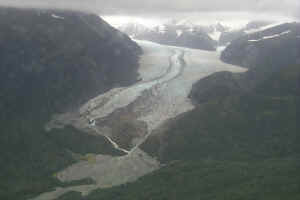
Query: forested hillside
[50,62]
[240,142]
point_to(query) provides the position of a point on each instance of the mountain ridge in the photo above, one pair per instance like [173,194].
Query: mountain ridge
[52,61]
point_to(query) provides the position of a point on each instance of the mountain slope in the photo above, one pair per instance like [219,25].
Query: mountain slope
[254,49]
[44,44]
[228,36]
[252,125]
[234,103]
[173,34]
[242,147]
[240,142]
[50,62]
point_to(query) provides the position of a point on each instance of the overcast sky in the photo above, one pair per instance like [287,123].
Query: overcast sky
[152,8]
[160,6]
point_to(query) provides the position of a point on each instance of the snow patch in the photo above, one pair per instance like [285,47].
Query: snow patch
[185,22]
[271,36]
[179,33]
[162,29]
[221,48]
[191,30]
[215,35]
[57,17]
[263,28]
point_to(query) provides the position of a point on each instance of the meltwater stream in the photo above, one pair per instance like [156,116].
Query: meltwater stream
[168,74]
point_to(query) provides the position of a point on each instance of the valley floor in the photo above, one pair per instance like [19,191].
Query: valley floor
[167,75]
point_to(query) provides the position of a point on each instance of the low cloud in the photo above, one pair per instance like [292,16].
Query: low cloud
[288,8]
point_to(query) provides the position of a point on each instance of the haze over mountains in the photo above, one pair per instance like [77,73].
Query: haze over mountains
[186,110]
[164,7]
[188,34]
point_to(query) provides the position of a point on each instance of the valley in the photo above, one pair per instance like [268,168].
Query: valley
[101,105]
[167,75]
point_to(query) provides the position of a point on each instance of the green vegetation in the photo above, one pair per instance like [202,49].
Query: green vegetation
[245,127]
[71,195]
[82,143]
[48,66]
[244,146]
[31,156]
[256,125]
[210,179]
[269,53]
[234,145]
[259,124]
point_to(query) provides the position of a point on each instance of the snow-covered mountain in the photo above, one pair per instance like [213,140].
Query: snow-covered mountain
[190,34]
[253,26]
[133,29]
[178,33]
[213,30]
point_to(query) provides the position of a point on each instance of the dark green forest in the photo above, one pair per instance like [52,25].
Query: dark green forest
[49,66]
[244,146]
